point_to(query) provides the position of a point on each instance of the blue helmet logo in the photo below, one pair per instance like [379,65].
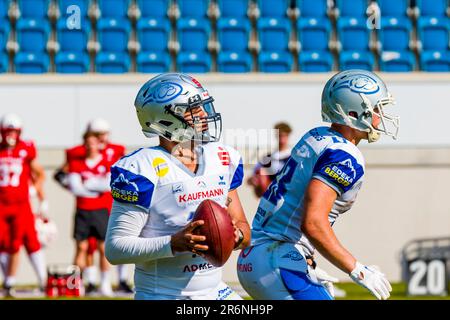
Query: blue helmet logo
[164,93]
[361,83]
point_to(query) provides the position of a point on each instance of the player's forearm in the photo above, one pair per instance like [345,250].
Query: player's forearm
[123,242]
[322,236]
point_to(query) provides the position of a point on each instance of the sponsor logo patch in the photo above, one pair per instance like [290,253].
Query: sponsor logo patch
[161,167]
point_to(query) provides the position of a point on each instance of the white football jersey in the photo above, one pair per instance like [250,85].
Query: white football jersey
[323,154]
[153,179]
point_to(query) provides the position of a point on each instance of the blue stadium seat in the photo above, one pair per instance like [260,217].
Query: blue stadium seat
[233,34]
[66,7]
[353,33]
[72,40]
[5,29]
[273,8]
[234,62]
[35,9]
[72,62]
[233,8]
[315,61]
[194,62]
[4,6]
[108,62]
[391,61]
[356,60]
[193,8]
[432,8]
[3,62]
[273,33]
[153,62]
[153,34]
[32,35]
[316,8]
[394,34]
[433,32]
[193,34]
[393,8]
[275,62]
[26,62]
[352,8]
[314,33]
[113,8]
[113,34]
[435,61]
[153,8]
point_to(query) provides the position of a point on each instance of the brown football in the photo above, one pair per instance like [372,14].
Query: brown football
[218,230]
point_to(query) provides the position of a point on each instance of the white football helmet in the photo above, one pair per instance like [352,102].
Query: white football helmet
[46,230]
[8,122]
[352,97]
[98,125]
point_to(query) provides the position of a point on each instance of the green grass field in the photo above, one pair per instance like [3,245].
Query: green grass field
[353,292]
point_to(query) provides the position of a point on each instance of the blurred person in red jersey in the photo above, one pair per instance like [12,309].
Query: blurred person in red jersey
[19,167]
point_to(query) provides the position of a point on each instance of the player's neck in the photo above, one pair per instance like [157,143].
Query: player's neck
[347,132]
[184,152]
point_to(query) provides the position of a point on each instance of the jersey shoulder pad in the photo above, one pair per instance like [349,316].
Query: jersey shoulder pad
[78,151]
[339,166]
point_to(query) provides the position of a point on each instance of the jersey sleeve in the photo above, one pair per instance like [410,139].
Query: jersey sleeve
[129,183]
[339,169]
[236,168]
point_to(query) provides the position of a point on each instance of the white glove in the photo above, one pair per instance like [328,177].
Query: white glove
[323,278]
[372,279]
[43,208]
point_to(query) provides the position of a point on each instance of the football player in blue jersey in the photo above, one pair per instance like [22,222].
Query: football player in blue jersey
[319,182]
[157,190]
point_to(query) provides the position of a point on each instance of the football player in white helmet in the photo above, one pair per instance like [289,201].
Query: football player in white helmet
[318,183]
[156,191]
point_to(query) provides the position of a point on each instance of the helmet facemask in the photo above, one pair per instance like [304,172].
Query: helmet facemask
[389,124]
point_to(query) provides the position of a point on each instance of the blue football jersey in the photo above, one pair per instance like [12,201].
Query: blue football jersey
[322,154]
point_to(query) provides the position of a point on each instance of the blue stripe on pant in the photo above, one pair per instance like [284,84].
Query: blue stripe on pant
[301,287]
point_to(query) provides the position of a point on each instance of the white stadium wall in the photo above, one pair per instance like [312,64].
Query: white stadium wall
[405,190]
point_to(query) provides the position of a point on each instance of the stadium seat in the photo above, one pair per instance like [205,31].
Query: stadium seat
[32,35]
[435,61]
[193,8]
[432,8]
[153,62]
[393,8]
[33,9]
[4,6]
[72,62]
[273,8]
[275,62]
[316,8]
[72,40]
[391,61]
[113,34]
[233,8]
[113,8]
[233,34]
[65,7]
[5,29]
[27,62]
[352,8]
[273,33]
[353,34]
[234,62]
[356,60]
[394,34]
[153,8]
[107,62]
[193,34]
[313,33]
[433,33]
[194,62]
[315,61]
[153,34]
[3,62]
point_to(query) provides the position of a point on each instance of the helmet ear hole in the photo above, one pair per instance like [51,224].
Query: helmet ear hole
[353,114]
[165,123]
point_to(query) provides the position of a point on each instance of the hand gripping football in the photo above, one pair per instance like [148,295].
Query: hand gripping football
[218,230]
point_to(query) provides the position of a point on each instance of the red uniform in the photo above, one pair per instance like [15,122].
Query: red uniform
[16,217]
